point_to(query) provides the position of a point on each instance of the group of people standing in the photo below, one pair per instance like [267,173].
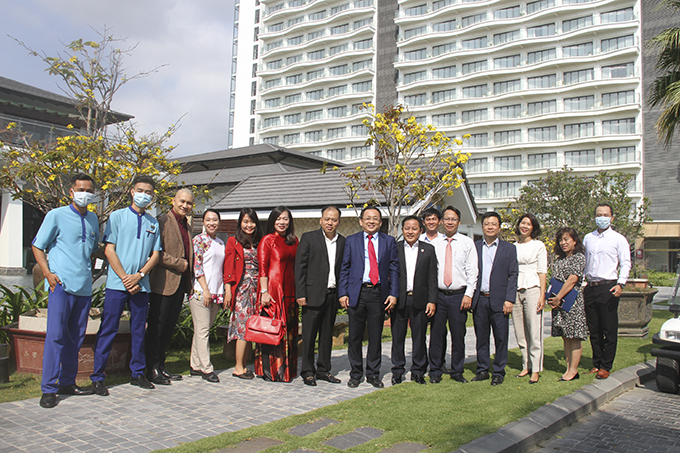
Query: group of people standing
[427,277]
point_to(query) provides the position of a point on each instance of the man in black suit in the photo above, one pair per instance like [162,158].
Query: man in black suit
[494,298]
[417,300]
[317,270]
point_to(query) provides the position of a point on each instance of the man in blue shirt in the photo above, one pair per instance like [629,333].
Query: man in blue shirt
[69,235]
[133,242]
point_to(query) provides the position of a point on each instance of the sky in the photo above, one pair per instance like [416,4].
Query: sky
[192,39]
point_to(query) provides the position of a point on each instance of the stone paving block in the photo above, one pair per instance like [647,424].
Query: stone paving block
[490,443]
[406,447]
[524,433]
[552,417]
[355,438]
[598,396]
[577,403]
[310,428]
[252,445]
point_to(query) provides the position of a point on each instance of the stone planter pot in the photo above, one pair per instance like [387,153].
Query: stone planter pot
[635,312]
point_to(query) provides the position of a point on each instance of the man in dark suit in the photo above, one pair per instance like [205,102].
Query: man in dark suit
[417,300]
[317,270]
[369,286]
[494,298]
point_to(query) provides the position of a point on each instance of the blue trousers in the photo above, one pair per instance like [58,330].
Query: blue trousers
[485,319]
[448,309]
[67,316]
[114,303]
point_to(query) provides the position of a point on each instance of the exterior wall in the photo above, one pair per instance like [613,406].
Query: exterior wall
[11,231]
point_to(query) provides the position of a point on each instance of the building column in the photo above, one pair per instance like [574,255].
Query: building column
[11,236]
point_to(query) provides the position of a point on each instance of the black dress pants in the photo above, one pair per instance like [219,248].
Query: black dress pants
[318,320]
[448,309]
[485,319]
[369,313]
[400,321]
[163,315]
[602,317]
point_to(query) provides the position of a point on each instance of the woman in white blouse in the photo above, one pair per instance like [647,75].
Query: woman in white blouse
[527,313]
[208,296]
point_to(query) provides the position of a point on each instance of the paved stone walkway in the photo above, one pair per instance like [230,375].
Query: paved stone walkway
[640,420]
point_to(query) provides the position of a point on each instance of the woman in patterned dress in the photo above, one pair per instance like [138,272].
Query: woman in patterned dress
[240,280]
[276,255]
[570,325]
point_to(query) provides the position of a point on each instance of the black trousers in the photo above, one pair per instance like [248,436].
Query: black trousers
[448,309]
[602,318]
[163,315]
[318,320]
[400,320]
[485,320]
[430,321]
[369,313]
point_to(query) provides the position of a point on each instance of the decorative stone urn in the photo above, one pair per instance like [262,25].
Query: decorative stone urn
[635,309]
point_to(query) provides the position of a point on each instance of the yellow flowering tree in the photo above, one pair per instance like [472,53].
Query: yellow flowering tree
[414,165]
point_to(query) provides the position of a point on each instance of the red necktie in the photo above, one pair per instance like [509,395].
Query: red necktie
[448,264]
[373,262]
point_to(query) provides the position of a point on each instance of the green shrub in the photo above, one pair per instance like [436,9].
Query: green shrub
[657,278]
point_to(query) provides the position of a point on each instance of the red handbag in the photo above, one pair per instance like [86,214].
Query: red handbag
[265,330]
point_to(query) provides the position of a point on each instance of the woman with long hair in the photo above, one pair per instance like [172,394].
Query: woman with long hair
[276,255]
[241,271]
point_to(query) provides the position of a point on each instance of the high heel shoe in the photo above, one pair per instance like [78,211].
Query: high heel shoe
[534,382]
[576,376]
[523,375]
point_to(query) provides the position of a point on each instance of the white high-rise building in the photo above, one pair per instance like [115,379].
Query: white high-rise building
[538,85]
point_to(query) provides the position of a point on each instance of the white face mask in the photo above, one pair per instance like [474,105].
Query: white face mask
[82,199]
[603,222]
[142,199]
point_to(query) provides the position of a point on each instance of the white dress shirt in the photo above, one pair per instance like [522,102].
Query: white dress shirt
[331,247]
[464,263]
[367,263]
[488,255]
[605,253]
[533,260]
[424,238]
[410,257]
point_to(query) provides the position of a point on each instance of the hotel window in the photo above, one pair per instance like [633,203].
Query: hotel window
[506,87]
[618,71]
[471,20]
[471,116]
[444,73]
[271,103]
[313,115]
[620,15]
[512,61]
[507,138]
[544,160]
[506,13]
[584,75]
[541,55]
[618,98]
[363,3]
[316,153]
[295,20]
[507,163]
[275,27]
[414,100]
[475,43]
[271,140]
[292,60]
[575,24]
[618,155]
[295,40]
[476,91]
[337,9]
[479,190]
[337,91]
[411,32]
[500,38]
[359,130]
[291,119]
[508,111]
[274,45]
[311,75]
[291,138]
[338,30]
[444,26]
[336,132]
[540,31]
[443,49]
[363,44]
[416,10]
[420,119]
[361,87]
[338,49]
[478,165]
[546,81]
[617,43]
[618,127]
[579,158]
[579,130]
[276,64]
[578,50]
[444,120]
[294,3]
[541,107]
[579,103]
[314,95]
[418,54]
[443,96]
[359,65]
[312,136]
[337,112]
[441,4]
[414,76]
[534,7]
[358,108]
[477,141]
[542,134]
[506,189]
[292,80]
[357,152]
[272,83]
[336,154]
[575,2]
[476,66]
[316,55]
[318,15]
[338,70]
[361,23]
[269,122]
[315,34]
[293,98]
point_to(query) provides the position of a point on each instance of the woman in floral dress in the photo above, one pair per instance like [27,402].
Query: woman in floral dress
[240,283]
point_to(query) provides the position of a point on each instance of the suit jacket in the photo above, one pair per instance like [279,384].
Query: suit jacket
[425,277]
[503,278]
[311,266]
[167,275]
[352,269]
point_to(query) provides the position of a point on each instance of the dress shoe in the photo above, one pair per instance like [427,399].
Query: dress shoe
[157,377]
[48,400]
[576,376]
[328,377]
[481,376]
[353,383]
[593,371]
[211,377]
[459,378]
[143,382]
[247,374]
[193,372]
[375,382]
[170,376]
[496,379]
[435,379]
[397,379]
[100,389]
[602,374]
[418,378]
[309,380]
[74,390]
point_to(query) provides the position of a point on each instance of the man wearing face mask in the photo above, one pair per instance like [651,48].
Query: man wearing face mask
[133,244]
[69,235]
[606,252]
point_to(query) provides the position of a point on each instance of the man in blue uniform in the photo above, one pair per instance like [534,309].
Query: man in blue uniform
[69,235]
[133,242]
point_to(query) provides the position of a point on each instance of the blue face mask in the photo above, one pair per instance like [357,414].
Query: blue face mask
[82,199]
[603,222]
[142,199]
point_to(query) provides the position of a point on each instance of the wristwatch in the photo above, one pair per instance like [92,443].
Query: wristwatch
[142,274]
[264,291]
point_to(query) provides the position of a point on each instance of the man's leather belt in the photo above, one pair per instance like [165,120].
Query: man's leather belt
[330,290]
[409,293]
[482,293]
[601,282]
[370,285]
[453,292]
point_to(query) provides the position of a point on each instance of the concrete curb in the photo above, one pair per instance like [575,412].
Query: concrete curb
[544,422]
